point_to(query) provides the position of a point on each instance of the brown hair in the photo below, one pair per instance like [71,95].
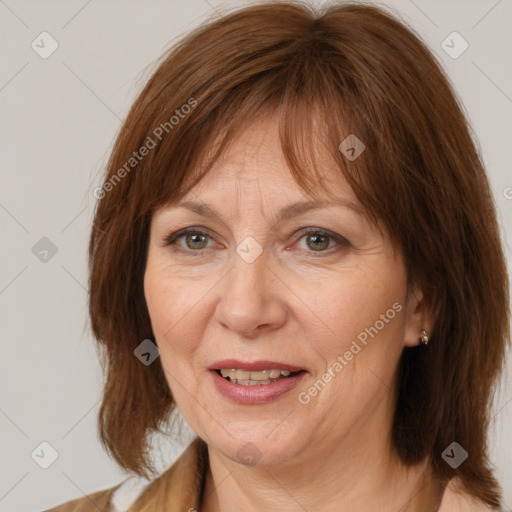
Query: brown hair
[351,69]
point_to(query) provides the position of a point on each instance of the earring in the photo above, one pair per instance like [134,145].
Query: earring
[424,337]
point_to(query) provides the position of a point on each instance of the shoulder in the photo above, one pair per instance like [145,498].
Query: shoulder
[95,502]
[455,499]
[178,486]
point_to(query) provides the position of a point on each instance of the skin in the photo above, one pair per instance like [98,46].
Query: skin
[296,303]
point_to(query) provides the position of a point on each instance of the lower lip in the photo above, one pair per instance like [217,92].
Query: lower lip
[259,394]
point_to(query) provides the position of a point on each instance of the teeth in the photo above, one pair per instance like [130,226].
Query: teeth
[246,378]
[252,382]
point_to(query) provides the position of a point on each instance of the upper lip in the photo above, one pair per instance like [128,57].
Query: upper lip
[253,366]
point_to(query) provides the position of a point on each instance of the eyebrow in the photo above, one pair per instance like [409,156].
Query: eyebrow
[288,212]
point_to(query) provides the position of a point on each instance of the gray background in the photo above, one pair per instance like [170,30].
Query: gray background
[60,116]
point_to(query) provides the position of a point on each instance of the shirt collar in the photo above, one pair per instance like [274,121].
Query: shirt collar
[181,486]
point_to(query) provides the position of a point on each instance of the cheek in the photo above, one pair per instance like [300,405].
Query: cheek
[363,305]
[174,306]
[366,320]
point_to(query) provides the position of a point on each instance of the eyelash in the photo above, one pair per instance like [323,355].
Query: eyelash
[174,237]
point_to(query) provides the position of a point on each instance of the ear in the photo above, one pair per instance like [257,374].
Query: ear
[419,314]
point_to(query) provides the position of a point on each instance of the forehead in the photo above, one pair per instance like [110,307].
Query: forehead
[251,177]
[253,165]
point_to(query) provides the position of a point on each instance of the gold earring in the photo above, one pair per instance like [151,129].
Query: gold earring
[424,337]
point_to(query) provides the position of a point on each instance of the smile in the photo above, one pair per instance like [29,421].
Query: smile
[260,378]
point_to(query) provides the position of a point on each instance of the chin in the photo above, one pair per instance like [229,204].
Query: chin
[257,443]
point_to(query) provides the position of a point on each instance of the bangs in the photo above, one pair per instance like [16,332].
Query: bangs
[313,117]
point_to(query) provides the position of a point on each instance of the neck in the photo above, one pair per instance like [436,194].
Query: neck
[364,477]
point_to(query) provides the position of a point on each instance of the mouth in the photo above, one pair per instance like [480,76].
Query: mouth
[256,378]
[256,382]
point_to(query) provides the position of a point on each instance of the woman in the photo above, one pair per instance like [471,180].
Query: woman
[295,246]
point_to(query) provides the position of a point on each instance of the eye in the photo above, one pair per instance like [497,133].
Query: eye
[195,240]
[321,241]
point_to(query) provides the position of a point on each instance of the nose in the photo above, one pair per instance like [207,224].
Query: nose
[251,303]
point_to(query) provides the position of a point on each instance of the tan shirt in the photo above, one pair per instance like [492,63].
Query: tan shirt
[179,489]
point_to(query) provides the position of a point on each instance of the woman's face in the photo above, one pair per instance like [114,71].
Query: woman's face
[250,291]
